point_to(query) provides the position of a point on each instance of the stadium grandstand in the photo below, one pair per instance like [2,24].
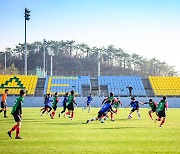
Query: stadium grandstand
[169,86]
[119,84]
[62,84]
[14,83]
[83,85]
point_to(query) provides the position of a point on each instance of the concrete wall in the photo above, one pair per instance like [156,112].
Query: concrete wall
[38,101]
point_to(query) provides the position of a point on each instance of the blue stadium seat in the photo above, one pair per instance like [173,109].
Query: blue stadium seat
[119,84]
[62,84]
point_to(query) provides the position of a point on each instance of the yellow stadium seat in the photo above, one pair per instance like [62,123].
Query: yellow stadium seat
[169,86]
[16,82]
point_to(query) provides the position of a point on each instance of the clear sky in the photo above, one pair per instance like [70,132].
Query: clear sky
[147,27]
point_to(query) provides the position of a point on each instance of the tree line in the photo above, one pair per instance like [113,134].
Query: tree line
[72,59]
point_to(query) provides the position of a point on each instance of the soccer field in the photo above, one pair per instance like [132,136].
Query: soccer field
[61,135]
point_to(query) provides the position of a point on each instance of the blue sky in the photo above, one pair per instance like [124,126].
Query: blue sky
[147,27]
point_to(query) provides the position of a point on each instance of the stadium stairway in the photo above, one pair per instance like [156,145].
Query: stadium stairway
[94,86]
[147,87]
[40,87]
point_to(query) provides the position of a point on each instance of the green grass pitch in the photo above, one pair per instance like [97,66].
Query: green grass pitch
[44,135]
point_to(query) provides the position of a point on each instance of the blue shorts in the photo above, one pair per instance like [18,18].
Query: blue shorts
[134,109]
[47,106]
[88,103]
[100,114]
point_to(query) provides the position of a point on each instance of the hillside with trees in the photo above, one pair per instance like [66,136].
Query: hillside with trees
[80,59]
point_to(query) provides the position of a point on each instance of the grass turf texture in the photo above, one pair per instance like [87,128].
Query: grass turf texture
[44,135]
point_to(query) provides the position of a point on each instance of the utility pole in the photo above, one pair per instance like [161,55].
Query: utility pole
[27,17]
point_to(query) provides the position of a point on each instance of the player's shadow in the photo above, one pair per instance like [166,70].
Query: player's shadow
[122,119]
[67,123]
[121,128]
[24,120]
[32,120]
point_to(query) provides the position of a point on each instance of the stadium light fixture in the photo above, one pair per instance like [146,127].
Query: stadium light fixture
[27,17]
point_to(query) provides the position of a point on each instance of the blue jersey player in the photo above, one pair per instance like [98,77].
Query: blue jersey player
[46,104]
[65,100]
[107,107]
[135,107]
[89,99]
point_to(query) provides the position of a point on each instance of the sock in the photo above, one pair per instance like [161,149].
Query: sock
[44,111]
[105,118]
[72,114]
[101,120]
[88,109]
[116,110]
[93,119]
[17,131]
[101,117]
[1,111]
[129,116]
[111,116]
[159,119]
[162,122]
[150,115]
[68,113]
[53,113]
[139,115]
[12,129]
[5,113]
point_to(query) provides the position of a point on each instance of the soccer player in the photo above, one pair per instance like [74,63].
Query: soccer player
[135,107]
[64,104]
[107,107]
[152,106]
[17,114]
[46,104]
[88,103]
[3,103]
[54,105]
[70,104]
[160,112]
[116,105]
[110,98]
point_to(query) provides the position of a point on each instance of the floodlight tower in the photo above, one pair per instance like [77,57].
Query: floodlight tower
[27,17]
[5,62]
[51,53]
[99,71]
[99,64]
